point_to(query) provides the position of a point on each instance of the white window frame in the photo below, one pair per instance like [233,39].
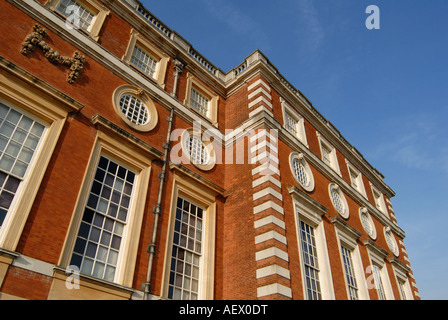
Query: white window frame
[203,104]
[24,181]
[378,199]
[311,214]
[162,58]
[403,283]
[347,236]
[193,252]
[363,211]
[391,241]
[125,224]
[300,133]
[148,103]
[192,190]
[323,143]
[212,114]
[333,187]
[208,145]
[49,107]
[295,156]
[357,181]
[377,256]
[99,10]
[139,162]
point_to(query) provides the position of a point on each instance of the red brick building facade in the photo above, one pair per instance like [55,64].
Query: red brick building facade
[133,168]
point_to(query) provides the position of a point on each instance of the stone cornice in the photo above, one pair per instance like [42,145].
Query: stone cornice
[197,177]
[306,200]
[106,125]
[380,252]
[337,221]
[19,73]
[404,269]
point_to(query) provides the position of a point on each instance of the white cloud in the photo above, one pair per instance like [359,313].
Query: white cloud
[416,141]
[313,27]
[236,20]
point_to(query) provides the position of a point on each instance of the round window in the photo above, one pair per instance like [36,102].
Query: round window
[135,108]
[338,200]
[367,223]
[391,242]
[198,150]
[301,171]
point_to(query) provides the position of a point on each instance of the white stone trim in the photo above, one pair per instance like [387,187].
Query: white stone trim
[264,179]
[260,109]
[274,288]
[260,99]
[267,220]
[263,134]
[267,191]
[265,166]
[271,252]
[33,265]
[269,236]
[263,144]
[257,83]
[258,91]
[264,155]
[273,269]
[268,205]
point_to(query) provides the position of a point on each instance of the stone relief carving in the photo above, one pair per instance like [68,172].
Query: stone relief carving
[36,40]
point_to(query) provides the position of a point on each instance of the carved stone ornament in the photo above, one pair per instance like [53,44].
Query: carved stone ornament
[36,39]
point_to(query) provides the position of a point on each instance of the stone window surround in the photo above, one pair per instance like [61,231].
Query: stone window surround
[163,59]
[333,187]
[190,189]
[193,82]
[301,157]
[311,212]
[348,237]
[98,21]
[152,111]
[333,153]
[135,159]
[287,110]
[19,89]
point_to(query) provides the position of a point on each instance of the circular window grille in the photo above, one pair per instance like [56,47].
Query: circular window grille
[391,242]
[367,223]
[134,109]
[337,201]
[300,172]
[197,150]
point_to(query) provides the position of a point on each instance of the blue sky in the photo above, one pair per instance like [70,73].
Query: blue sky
[386,90]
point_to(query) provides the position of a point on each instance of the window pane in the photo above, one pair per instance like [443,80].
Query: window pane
[197,150]
[15,157]
[199,102]
[78,10]
[349,273]
[144,61]
[310,262]
[105,232]
[186,253]
[134,109]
